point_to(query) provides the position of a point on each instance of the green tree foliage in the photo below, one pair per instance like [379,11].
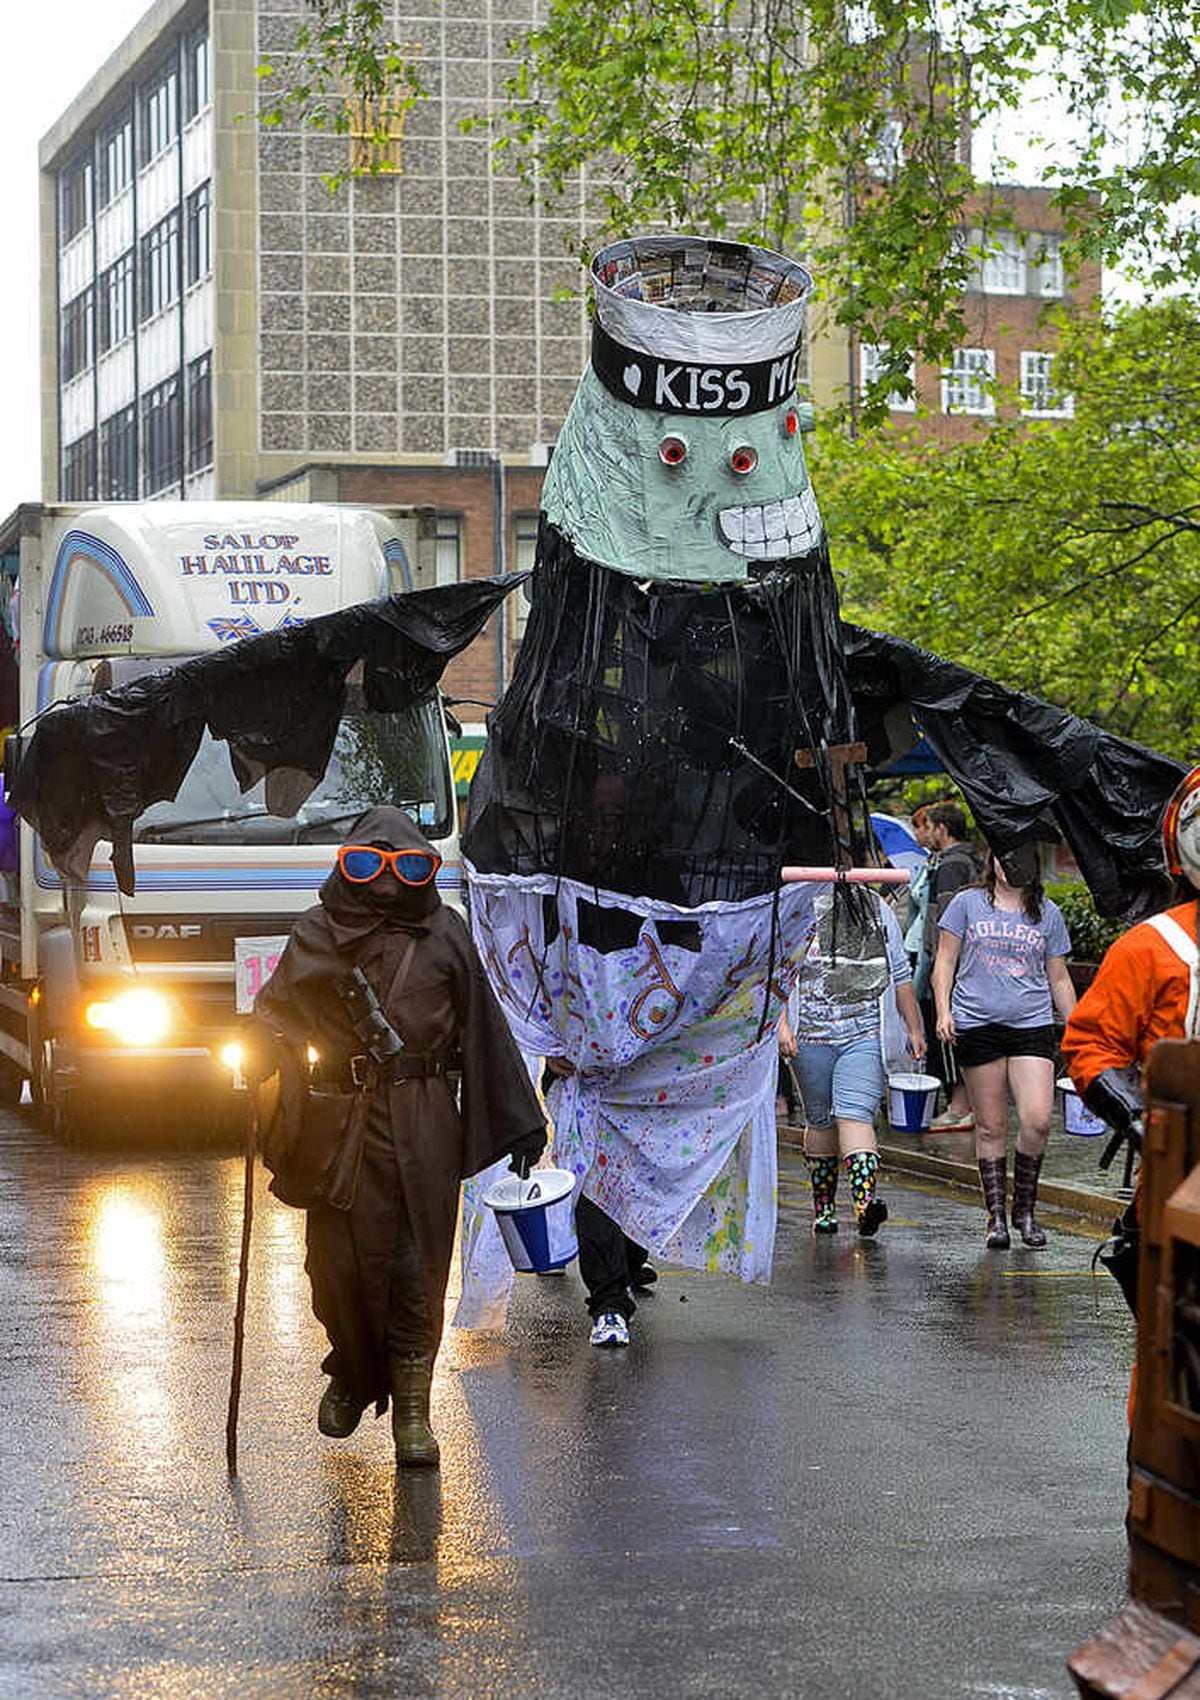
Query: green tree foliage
[1058,557]
[779,120]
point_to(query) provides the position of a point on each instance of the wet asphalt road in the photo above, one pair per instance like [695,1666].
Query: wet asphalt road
[898,1471]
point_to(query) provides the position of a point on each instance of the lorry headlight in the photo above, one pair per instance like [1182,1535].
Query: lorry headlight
[135,1018]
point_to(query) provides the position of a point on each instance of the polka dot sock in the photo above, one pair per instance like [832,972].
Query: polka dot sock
[862,1167]
[823,1173]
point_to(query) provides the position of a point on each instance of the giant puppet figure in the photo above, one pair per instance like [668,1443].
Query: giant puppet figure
[678,728]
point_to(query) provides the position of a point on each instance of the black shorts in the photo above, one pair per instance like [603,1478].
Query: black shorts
[975,1046]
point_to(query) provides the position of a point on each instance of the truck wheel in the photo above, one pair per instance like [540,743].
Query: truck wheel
[55,1104]
[57,1116]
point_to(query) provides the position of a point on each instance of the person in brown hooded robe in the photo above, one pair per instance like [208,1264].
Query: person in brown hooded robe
[379,1268]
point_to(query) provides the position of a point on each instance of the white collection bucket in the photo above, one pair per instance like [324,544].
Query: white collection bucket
[1077,1118]
[911,1098]
[536,1219]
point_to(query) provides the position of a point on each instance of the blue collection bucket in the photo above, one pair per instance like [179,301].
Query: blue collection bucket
[536,1218]
[911,1099]
[1077,1118]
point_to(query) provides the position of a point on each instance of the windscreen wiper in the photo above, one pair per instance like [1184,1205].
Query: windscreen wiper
[161,828]
[326,821]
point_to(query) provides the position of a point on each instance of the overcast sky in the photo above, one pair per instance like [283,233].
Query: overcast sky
[51,48]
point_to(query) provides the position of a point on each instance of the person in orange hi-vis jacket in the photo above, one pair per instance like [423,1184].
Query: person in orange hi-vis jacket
[1147,988]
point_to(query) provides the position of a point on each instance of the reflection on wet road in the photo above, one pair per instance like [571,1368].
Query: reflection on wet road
[896,1471]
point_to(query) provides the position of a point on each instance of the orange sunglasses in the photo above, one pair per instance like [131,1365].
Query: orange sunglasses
[361,863]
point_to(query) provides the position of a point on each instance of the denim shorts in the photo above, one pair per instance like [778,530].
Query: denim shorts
[841,1082]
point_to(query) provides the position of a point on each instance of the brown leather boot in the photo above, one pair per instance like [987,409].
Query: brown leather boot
[993,1173]
[411,1374]
[1025,1183]
[339,1411]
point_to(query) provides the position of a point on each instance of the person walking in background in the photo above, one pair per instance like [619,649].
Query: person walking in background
[955,863]
[833,1029]
[918,906]
[999,975]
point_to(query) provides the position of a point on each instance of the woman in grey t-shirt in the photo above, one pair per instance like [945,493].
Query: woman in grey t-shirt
[999,976]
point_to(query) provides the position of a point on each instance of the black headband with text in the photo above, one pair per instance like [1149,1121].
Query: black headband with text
[682,386]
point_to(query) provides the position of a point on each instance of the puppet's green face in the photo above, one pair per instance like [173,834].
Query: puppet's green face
[681,496]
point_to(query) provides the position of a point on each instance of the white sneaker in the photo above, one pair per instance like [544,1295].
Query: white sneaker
[610,1329]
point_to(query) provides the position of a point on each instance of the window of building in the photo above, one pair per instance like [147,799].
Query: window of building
[886,154]
[199,414]
[115,171]
[197,73]
[967,381]
[1045,255]
[1002,269]
[160,111]
[79,469]
[78,334]
[870,365]
[118,456]
[198,233]
[1038,391]
[448,554]
[525,536]
[74,198]
[161,441]
[160,266]
[114,303]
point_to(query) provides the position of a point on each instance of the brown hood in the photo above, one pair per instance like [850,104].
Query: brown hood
[356,910]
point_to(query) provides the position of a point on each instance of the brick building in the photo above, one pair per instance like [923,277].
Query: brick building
[1006,363]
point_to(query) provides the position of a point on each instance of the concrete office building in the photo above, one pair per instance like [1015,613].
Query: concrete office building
[216,324]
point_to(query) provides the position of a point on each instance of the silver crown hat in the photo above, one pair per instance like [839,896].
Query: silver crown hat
[694,298]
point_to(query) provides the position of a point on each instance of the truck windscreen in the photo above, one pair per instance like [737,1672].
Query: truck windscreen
[397,758]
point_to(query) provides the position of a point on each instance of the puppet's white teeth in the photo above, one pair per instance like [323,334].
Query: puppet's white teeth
[774,530]
[731,524]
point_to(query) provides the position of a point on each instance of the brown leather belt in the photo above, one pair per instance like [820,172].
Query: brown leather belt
[410,1065]
[426,1067]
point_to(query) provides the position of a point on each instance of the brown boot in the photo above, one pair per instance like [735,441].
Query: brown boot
[1025,1182]
[412,1373]
[993,1173]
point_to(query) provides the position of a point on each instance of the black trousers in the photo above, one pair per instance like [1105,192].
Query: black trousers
[608,1260]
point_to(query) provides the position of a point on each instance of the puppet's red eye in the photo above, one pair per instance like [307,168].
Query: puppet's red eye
[672,451]
[791,421]
[744,459]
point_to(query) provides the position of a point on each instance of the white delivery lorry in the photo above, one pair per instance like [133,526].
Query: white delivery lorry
[111,1000]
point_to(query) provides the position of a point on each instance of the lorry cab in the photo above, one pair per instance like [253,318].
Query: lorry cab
[137,995]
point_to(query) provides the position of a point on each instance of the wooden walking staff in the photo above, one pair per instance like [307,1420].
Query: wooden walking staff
[254,963]
[239,1312]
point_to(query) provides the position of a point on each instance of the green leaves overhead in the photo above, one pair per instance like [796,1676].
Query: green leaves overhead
[843,132]
[1060,557]
[836,128]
